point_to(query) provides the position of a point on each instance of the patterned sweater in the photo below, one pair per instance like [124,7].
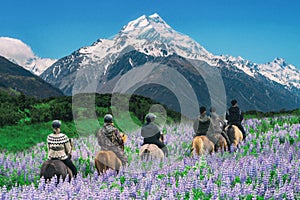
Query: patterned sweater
[59,146]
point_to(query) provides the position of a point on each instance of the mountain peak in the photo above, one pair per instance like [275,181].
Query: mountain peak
[145,22]
[154,32]
[155,15]
[279,61]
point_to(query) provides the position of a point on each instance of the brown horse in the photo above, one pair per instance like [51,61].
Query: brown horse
[201,145]
[106,159]
[221,143]
[235,135]
[152,151]
[51,168]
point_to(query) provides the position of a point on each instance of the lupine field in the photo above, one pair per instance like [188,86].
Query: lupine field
[266,166]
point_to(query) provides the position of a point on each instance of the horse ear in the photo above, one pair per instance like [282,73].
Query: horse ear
[124,137]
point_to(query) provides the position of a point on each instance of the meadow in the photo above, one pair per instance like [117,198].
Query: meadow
[266,166]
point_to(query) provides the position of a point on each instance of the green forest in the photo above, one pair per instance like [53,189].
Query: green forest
[26,121]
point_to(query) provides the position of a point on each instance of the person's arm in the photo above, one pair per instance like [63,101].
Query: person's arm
[158,135]
[99,137]
[207,124]
[48,148]
[68,147]
[242,116]
[221,122]
[118,136]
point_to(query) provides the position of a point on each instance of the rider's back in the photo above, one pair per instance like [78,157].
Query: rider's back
[151,133]
[234,115]
[201,125]
[59,146]
[108,136]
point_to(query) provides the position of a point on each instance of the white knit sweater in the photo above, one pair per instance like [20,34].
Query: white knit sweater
[59,146]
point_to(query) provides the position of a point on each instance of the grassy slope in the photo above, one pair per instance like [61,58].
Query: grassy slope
[23,136]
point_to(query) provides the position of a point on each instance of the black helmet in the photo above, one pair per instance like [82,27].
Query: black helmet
[233,102]
[108,118]
[202,110]
[56,124]
[150,117]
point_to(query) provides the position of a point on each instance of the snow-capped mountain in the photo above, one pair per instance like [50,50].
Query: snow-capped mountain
[21,54]
[150,35]
[151,39]
[277,70]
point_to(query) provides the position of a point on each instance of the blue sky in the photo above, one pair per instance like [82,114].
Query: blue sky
[257,30]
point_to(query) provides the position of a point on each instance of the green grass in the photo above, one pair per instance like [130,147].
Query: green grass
[23,136]
[19,137]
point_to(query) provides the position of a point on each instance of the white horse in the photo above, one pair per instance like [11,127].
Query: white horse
[151,152]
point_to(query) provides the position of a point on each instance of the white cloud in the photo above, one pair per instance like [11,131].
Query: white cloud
[18,52]
[15,50]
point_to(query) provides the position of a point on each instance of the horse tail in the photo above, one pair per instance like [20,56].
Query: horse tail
[197,145]
[201,148]
[145,155]
[230,133]
[192,149]
[49,171]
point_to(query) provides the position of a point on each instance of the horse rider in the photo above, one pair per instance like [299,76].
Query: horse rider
[59,147]
[202,123]
[235,117]
[203,126]
[218,124]
[152,135]
[109,138]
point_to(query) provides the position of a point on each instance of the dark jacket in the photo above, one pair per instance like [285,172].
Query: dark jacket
[234,115]
[151,134]
[109,136]
[201,125]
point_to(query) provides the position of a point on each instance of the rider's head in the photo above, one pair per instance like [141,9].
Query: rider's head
[202,110]
[56,126]
[234,102]
[108,118]
[212,109]
[150,117]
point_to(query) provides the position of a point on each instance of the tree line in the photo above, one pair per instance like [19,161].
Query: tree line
[18,108]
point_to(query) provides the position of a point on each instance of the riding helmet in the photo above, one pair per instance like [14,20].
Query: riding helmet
[108,118]
[150,117]
[56,124]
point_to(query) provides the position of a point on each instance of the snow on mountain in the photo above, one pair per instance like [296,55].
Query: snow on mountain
[281,72]
[277,70]
[152,36]
[154,28]
[21,54]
